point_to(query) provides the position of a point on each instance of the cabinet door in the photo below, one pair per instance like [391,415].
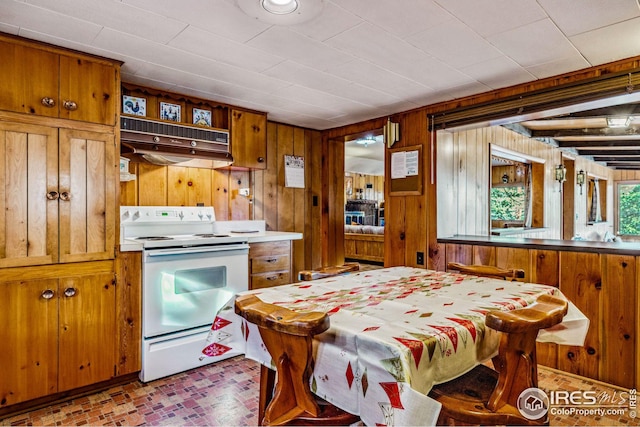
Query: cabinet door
[29,360]
[28,76]
[87,330]
[28,195]
[87,168]
[88,90]
[249,139]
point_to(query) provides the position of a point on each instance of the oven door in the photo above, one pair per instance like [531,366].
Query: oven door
[183,288]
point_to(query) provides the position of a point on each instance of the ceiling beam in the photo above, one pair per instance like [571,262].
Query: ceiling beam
[603,143]
[568,133]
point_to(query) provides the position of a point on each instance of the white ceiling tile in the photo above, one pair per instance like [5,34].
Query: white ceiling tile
[215,16]
[489,17]
[401,19]
[560,66]
[455,44]
[39,20]
[536,43]
[333,20]
[302,49]
[224,50]
[610,43]
[498,72]
[589,15]
[119,16]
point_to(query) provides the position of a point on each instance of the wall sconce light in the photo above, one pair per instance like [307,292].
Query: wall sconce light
[561,174]
[580,180]
[391,133]
[505,178]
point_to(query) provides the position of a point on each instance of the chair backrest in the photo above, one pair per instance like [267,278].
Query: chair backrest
[487,271]
[336,270]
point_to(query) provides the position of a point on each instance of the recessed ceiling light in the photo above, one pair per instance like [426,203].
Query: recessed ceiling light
[282,12]
[280,7]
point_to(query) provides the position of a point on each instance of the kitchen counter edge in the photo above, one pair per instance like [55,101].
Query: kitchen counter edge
[259,237]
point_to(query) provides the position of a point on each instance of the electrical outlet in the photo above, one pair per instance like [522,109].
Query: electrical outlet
[420,258]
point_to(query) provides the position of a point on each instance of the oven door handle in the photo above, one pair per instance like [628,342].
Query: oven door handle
[196,250]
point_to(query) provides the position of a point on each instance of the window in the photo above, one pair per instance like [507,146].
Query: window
[628,196]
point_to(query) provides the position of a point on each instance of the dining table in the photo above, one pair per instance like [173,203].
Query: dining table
[394,333]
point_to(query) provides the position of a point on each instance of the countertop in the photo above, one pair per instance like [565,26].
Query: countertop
[619,248]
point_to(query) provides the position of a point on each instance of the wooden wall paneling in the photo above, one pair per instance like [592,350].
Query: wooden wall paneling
[152,185]
[270,179]
[581,282]
[417,235]
[220,194]
[618,354]
[313,172]
[286,195]
[299,206]
[514,258]
[458,253]
[446,183]
[545,267]
[128,312]
[199,187]
[239,206]
[177,177]
[484,255]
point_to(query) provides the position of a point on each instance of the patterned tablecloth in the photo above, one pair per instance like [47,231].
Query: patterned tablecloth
[395,332]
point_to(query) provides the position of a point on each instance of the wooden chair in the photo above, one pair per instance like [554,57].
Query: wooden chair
[287,336]
[486,396]
[347,267]
[488,271]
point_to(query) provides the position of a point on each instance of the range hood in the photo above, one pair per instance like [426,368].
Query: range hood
[161,143]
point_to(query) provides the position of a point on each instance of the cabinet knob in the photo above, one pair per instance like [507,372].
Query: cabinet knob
[47,294]
[52,195]
[260,159]
[65,196]
[48,102]
[70,105]
[69,292]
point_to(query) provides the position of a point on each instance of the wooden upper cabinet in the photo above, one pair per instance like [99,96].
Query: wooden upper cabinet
[28,195]
[249,139]
[57,195]
[87,177]
[41,81]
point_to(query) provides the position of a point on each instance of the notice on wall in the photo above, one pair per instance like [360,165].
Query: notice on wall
[404,164]
[294,171]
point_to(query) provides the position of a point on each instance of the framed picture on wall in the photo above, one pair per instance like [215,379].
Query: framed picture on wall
[134,105]
[170,111]
[201,117]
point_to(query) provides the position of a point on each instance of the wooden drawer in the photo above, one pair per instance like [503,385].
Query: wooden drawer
[267,280]
[270,263]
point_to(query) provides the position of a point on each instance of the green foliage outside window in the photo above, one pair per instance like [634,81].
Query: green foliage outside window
[507,203]
[629,209]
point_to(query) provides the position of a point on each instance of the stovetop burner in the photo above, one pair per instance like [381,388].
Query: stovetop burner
[210,235]
[154,238]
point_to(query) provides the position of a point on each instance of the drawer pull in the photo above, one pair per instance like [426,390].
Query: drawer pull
[47,294]
[48,102]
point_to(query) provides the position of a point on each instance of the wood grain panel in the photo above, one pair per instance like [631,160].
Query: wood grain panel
[580,282]
[30,337]
[129,312]
[619,312]
[86,318]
